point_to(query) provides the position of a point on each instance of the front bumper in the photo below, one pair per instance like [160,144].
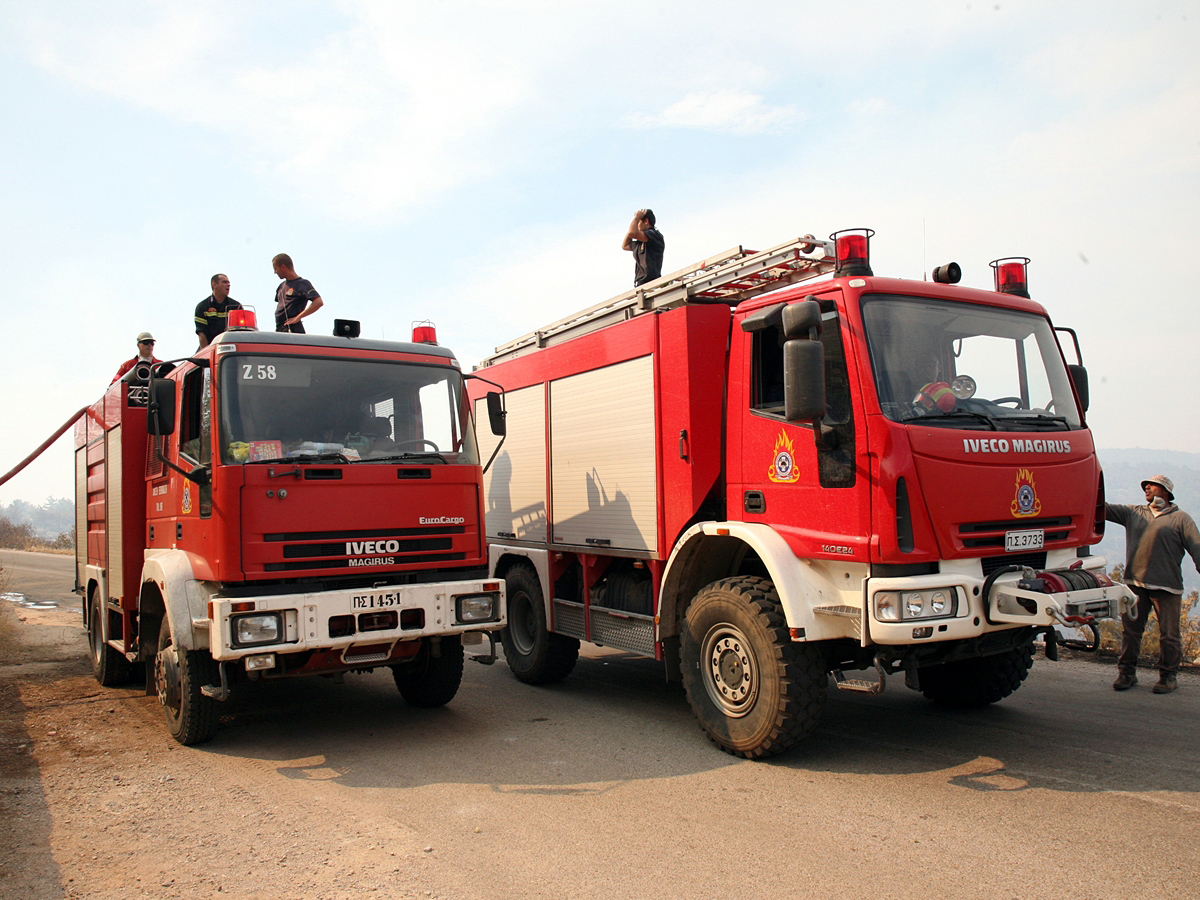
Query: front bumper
[1005,606]
[362,625]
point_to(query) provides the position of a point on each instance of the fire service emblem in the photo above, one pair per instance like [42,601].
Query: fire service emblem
[1025,503]
[783,466]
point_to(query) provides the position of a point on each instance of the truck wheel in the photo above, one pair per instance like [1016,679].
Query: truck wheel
[110,667]
[977,682]
[430,681]
[534,655]
[754,690]
[178,676]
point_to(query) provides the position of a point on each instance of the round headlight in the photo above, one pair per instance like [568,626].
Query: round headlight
[937,603]
[913,604]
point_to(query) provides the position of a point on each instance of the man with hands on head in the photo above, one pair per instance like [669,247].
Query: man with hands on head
[646,243]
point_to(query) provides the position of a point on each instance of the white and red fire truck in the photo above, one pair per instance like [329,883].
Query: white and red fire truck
[281,505]
[769,467]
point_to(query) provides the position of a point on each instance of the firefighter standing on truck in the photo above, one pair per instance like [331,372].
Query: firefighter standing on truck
[295,298]
[145,345]
[212,314]
[646,243]
[1156,537]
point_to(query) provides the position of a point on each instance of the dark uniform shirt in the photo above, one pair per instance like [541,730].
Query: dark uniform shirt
[212,314]
[648,257]
[290,299]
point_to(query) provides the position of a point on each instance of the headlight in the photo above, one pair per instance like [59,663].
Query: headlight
[476,607]
[894,606]
[257,629]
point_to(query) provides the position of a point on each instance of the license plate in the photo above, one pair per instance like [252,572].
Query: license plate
[1016,541]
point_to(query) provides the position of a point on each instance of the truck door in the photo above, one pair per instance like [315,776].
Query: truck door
[815,495]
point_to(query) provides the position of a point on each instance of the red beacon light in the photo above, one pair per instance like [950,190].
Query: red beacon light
[852,248]
[241,320]
[1011,275]
[424,332]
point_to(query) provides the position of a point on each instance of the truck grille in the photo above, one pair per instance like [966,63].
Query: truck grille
[304,550]
[981,535]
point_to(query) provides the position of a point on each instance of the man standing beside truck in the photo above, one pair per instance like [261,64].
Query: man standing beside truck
[647,244]
[1156,537]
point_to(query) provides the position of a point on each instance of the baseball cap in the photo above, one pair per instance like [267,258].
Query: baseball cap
[145,336]
[1162,481]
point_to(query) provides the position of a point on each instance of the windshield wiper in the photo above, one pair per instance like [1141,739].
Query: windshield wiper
[953,414]
[1042,418]
[421,454]
[301,456]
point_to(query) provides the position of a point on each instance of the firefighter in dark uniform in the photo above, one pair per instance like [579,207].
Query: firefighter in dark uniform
[212,313]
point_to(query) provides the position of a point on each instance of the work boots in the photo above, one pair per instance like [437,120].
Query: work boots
[1166,683]
[1125,680]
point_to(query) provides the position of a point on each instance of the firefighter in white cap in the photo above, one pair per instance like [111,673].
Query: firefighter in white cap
[1156,537]
[145,345]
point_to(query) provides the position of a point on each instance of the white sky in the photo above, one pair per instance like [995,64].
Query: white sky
[477,164]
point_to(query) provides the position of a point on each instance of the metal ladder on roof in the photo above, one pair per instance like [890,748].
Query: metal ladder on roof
[730,277]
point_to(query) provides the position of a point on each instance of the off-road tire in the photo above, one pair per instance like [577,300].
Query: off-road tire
[110,666]
[969,683]
[431,681]
[178,676]
[533,653]
[754,691]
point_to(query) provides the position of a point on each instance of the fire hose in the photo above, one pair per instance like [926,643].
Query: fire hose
[87,410]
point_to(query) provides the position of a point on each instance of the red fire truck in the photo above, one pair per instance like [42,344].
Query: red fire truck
[281,505]
[771,467]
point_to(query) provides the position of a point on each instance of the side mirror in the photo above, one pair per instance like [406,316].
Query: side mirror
[496,414]
[1079,376]
[799,319]
[160,417]
[804,381]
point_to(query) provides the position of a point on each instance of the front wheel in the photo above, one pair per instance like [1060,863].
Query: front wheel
[431,680]
[976,682]
[754,691]
[178,676]
[110,666]
[533,654]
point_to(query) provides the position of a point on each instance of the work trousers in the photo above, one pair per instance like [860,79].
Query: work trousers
[1168,606]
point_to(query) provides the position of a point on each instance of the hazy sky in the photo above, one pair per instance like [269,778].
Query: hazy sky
[477,164]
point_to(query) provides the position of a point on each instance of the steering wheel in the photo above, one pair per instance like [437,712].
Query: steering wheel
[1014,400]
[420,442]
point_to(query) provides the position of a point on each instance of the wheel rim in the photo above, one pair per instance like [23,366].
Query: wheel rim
[730,670]
[166,678]
[96,632]
[522,622]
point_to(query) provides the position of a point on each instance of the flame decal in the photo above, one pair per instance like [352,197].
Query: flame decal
[1026,502]
[783,467]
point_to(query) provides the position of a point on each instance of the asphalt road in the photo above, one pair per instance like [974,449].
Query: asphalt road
[603,786]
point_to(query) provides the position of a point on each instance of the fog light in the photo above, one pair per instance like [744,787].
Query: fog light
[262,629]
[260,661]
[476,607]
[926,631]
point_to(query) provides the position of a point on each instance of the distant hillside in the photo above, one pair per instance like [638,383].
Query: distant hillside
[1123,474]
[48,521]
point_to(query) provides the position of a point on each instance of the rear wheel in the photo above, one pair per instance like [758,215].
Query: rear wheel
[430,681]
[534,654]
[977,682]
[754,690]
[178,676]
[110,666]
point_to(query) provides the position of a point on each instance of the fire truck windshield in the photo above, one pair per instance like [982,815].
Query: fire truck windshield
[965,366]
[297,407]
